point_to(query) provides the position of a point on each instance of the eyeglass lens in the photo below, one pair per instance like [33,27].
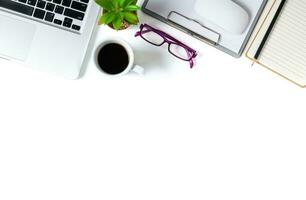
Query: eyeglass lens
[156,39]
[152,37]
[179,51]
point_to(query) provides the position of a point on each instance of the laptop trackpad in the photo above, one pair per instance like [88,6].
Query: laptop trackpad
[15,38]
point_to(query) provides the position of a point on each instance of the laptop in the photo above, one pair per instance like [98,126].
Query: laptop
[49,35]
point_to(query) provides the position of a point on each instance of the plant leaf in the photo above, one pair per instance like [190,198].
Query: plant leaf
[131,17]
[131,8]
[115,4]
[107,18]
[117,22]
[105,4]
[126,3]
[121,3]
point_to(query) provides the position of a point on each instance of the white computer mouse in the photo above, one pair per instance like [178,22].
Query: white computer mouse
[224,13]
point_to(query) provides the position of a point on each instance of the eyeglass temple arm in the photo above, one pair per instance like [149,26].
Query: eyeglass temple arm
[191,63]
[192,55]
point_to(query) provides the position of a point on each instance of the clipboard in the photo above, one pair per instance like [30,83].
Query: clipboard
[182,16]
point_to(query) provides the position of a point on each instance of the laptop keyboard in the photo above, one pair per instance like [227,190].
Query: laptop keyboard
[67,14]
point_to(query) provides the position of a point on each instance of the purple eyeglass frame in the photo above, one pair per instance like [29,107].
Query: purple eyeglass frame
[169,40]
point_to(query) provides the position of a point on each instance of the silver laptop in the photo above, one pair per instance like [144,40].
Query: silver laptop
[49,35]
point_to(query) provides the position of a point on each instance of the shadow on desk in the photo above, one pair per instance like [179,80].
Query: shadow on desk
[150,60]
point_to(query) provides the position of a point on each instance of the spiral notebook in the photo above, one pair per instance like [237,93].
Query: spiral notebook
[280,43]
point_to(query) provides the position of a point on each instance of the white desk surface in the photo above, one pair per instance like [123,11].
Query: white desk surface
[224,130]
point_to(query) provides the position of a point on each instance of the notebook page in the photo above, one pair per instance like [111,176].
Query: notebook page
[262,27]
[285,49]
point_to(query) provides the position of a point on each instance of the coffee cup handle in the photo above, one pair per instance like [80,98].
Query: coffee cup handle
[138,69]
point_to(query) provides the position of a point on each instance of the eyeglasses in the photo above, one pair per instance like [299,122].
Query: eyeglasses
[175,47]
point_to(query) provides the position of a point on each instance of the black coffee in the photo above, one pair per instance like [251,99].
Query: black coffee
[113,58]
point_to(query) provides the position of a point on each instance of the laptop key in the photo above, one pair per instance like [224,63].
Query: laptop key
[50,7]
[49,17]
[32,2]
[76,27]
[18,7]
[41,4]
[67,22]
[74,14]
[66,3]
[57,1]
[23,1]
[59,9]
[38,13]
[58,22]
[79,6]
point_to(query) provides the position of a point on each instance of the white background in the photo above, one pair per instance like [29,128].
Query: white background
[223,130]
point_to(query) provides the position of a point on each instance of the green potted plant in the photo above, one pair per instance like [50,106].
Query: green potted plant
[118,14]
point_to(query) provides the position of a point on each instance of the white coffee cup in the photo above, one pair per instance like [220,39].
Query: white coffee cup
[131,65]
